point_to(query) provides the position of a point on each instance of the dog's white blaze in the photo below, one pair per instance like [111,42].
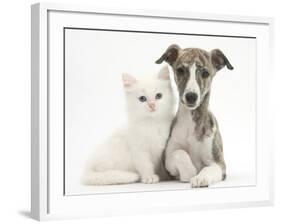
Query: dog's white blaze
[192,85]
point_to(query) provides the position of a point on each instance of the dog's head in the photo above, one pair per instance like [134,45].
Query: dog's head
[194,70]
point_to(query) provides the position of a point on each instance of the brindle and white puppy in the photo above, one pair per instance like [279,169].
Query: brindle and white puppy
[194,151]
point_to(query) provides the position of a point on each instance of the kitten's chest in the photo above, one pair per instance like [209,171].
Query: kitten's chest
[155,134]
[152,136]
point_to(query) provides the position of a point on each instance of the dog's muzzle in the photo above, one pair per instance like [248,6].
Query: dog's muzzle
[191,99]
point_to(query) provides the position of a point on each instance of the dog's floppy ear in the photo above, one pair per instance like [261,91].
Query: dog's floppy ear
[170,55]
[219,60]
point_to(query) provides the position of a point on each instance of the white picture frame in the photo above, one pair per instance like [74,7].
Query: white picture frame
[48,198]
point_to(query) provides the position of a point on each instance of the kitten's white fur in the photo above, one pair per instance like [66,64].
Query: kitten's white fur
[134,153]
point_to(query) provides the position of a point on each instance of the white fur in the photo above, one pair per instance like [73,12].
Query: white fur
[134,152]
[186,156]
[110,176]
[179,164]
[192,85]
[208,175]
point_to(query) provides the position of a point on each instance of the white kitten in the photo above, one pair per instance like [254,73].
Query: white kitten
[134,153]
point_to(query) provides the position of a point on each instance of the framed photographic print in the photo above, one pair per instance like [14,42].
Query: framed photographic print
[148,111]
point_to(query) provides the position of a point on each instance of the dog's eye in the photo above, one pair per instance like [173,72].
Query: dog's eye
[205,74]
[158,96]
[142,98]
[180,71]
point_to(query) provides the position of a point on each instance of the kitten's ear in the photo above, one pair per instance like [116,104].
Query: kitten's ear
[164,73]
[128,80]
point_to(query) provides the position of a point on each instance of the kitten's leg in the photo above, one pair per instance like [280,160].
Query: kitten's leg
[208,175]
[145,168]
[179,164]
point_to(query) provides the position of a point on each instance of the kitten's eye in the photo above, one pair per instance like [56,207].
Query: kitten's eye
[205,74]
[158,96]
[142,98]
[180,71]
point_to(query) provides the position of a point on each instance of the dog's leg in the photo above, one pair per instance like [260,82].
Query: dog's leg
[179,164]
[208,175]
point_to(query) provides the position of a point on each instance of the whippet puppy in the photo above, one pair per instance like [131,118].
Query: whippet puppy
[194,150]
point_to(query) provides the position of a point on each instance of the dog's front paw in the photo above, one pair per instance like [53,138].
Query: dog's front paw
[199,181]
[151,179]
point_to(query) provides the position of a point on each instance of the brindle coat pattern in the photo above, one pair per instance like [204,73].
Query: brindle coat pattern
[205,123]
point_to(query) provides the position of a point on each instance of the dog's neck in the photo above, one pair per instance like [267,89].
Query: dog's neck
[200,116]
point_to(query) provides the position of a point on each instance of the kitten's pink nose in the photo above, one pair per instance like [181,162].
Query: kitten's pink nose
[152,105]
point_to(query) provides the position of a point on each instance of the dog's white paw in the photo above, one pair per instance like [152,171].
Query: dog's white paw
[151,179]
[199,181]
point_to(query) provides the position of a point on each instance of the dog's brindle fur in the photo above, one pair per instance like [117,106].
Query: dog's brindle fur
[194,150]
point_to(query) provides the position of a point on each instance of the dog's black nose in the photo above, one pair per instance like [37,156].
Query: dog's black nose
[191,97]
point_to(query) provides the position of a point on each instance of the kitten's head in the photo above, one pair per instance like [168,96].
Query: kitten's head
[149,97]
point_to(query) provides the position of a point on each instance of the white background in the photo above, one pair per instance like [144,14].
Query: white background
[94,99]
[15,111]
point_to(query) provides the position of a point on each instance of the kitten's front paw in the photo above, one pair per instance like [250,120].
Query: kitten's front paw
[199,181]
[151,179]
